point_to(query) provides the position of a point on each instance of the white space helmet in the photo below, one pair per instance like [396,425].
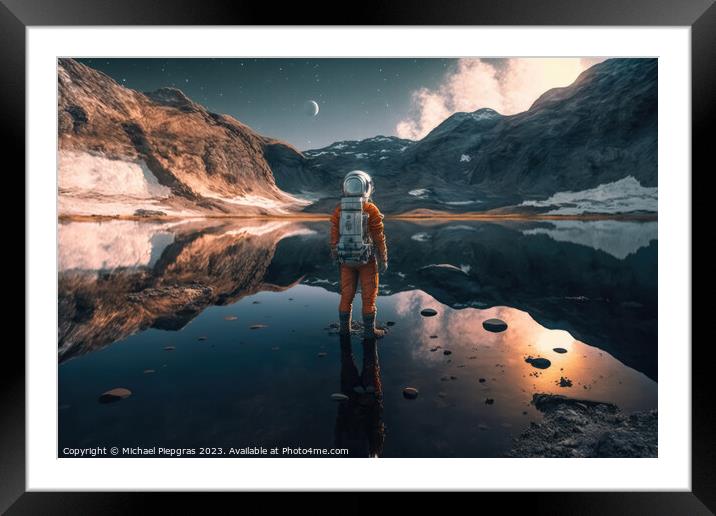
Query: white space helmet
[357,184]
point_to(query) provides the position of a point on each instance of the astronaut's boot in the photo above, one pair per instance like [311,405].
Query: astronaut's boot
[344,319]
[369,329]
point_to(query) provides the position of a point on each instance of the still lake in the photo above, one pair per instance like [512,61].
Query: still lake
[223,331]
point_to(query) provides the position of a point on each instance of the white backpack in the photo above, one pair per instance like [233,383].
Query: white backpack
[355,246]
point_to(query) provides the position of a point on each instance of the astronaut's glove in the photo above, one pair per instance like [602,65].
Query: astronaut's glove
[334,253]
[383,264]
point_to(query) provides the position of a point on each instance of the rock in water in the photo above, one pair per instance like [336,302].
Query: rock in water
[539,363]
[410,393]
[390,323]
[338,396]
[149,213]
[564,382]
[559,350]
[149,371]
[257,326]
[113,395]
[230,318]
[428,312]
[583,428]
[169,348]
[494,325]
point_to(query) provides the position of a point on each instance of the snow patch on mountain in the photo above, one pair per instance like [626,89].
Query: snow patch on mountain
[622,196]
[274,205]
[85,173]
[462,203]
[420,193]
[484,114]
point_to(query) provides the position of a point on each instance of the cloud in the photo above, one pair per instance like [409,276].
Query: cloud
[508,86]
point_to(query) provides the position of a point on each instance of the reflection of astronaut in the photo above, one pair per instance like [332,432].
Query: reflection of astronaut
[358,243]
[359,424]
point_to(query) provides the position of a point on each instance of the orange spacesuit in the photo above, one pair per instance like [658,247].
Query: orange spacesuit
[366,273]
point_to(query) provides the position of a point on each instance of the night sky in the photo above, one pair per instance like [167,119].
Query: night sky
[358,98]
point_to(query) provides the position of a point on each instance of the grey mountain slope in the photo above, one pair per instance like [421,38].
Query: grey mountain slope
[599,129]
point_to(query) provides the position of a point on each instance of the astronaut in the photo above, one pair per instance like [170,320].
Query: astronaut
[358,244]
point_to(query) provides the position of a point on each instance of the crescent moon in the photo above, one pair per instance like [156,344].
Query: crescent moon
[312,108]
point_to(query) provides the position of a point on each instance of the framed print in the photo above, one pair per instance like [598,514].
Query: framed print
[455,239]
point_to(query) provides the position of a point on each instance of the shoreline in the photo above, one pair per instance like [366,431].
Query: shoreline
[487,217]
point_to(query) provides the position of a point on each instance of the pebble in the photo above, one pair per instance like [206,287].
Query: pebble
[169,348]
[322,354]
[257,326]
[494,325]
[564,382]
[230,318]
[410,393]
[539,363]
[447,352]
[390,323]
[113,395]
[489,401]
[149,371]
[338,396]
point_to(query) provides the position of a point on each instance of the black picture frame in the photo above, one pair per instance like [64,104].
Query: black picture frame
[700,15]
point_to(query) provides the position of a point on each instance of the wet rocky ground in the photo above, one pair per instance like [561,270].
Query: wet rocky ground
[582,428]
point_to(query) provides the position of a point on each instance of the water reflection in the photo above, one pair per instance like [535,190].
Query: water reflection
[618,238]
[359,423]
[500,358]
[175,272]
[246,307]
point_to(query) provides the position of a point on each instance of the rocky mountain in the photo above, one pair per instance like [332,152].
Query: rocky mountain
[122,151]
[587,147]
[582,139]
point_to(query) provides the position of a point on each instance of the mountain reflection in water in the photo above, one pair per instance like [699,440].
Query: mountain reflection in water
[127,290]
